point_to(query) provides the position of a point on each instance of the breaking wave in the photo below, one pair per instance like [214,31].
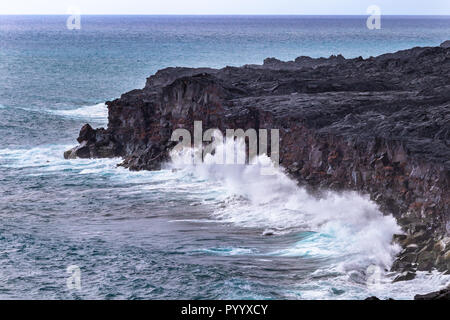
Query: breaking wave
[97,113]
[346,231]
[346,225]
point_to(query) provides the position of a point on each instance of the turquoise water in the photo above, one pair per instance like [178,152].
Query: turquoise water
[173,234]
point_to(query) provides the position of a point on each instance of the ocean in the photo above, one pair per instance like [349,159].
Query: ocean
[203,232]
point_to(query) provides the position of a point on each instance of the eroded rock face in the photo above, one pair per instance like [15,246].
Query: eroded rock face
[379,126]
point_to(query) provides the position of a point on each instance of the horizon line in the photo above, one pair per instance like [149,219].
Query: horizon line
[220,14]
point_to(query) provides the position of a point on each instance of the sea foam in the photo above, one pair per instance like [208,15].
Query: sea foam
[96,113]
[346,225]
[347,230]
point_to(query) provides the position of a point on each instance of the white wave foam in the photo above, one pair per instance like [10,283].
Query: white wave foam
[349,233]
[96,113]
[47,159]
[230,251]
[349,225]
[353,286]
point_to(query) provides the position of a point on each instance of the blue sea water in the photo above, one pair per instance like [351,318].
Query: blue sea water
[172,234]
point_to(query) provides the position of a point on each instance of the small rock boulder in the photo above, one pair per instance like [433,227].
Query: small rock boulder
[86,134]
[82,151]
[407,276]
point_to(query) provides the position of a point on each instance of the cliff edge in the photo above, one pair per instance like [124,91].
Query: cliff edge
[380,126]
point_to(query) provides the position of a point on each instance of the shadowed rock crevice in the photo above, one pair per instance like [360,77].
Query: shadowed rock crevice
[380,126]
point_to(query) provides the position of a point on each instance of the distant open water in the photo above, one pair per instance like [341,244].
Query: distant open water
[187,233]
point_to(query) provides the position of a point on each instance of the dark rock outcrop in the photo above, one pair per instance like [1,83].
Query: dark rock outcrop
[406,276]
[94,144]
[380,126]
[443,294]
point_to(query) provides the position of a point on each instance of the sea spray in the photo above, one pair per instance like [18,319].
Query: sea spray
[346,226]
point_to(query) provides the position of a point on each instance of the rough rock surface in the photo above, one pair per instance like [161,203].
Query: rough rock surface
[380,126]
[443,294]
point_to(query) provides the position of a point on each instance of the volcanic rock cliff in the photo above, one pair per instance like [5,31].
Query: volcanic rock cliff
[380,126]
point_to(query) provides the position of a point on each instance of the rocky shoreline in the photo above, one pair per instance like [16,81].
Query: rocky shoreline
[379,126]
[443,294]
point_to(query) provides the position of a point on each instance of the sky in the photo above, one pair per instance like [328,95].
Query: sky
[306,7]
